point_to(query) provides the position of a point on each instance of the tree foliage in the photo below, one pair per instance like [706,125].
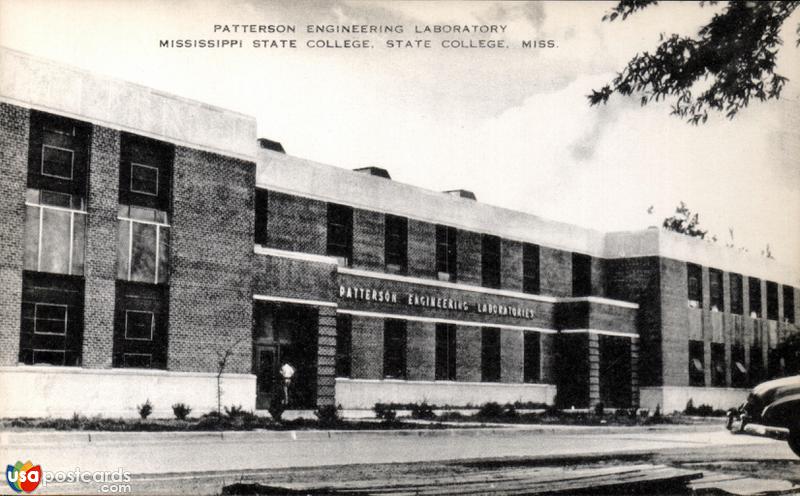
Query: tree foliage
[685,222]
[735,54]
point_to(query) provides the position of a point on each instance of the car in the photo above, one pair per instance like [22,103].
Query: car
[773,404]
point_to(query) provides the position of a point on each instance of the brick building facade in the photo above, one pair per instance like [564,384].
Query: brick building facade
[147,241]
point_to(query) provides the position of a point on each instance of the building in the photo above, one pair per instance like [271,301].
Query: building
[148,237]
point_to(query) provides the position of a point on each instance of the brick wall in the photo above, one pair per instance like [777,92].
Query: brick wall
[421,249]
[14,131]
[211,252]
[468,353]
[598,268]
[511,265]
[421,350]
[368,240]
[555,269]
[326,356]
[469,258]
[101,247]
[367,348]
[674,326]
[511,355]
[297,224]
[547,347]
[289,278]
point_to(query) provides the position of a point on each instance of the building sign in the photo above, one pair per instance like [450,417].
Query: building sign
[412,299]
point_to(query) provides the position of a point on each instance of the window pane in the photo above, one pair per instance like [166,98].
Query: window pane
[531,357]
[55,241]
[52,357]
[144,179]
[123,237]
[55,199]
[78,243]
[490,354]
[32,237]
[143,253]
[56,162]
[163,254]
[50,319]
[139,325]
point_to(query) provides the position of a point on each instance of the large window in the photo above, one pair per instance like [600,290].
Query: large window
[344,326]
[145,173]
[772,300]
[58,154]
[715,290]
[340,233]
[756,365]
[52,319]
[530,268]
[394,349]
[581,274]
[754,294]
[697,375]
[445,352]
[396,243]
[143,245]
[140,326]
[694,274]
[737,297]
[788,304]
[718,365]
[55,232]
[490,261]
[490,354]
[738,369]
[262,216]
[446,252]
[531,357]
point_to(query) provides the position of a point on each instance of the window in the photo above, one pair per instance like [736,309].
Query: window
[343,345]
[55,232]
[581,274]
[396,243]
[788,305]
[490,354]
[145,172]
[58,154]
[262,216]
[57,162]
[756,365]
[755,297]
[694,276]
[51,330]
[446,252]
[738,369]
[776,364]
[340,233]
[717,365]
[530,268]
[531,357]
[143,245]
[715,290]
[772,300]
[140,325]
[736,295]
[445,352]
[697,363]
[394,349]
[490,261]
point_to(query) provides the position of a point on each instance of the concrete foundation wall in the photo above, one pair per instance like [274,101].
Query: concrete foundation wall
[671,399]
[64,391]
[363,394]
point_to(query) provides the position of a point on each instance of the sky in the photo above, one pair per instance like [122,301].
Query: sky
[513,125]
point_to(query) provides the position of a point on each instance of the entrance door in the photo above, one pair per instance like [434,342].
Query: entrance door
[266,374]
[615,371]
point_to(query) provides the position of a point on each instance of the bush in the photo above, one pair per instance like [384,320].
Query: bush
[552,411]
[600,409]
[510,412]
[690,409]
[657,413]
[328,415]
[181,411]
[422,411]
[234,411]
[385,412]
[490,410]
[145,409]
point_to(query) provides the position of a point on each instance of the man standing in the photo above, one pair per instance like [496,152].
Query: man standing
[287,372]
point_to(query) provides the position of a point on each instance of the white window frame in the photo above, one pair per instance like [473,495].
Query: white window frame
[148,355]
[152,324]
[158,225]
[71,162]
[72,213]
[136,164]
[63,355]
[36,318]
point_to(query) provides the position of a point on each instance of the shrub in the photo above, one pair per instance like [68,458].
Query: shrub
[385,412]
[181,411]
[276,410]
[422,411]
[490,410]
[234,411]
[657,413]
[328,415]
[145,409]
[690,409]
[600,409]
[510,412]
[552,410]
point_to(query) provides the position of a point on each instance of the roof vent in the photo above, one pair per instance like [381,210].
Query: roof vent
[462,193]
[271,145]
[374,171]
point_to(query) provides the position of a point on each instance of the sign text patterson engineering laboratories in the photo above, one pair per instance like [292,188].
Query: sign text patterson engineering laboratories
[421,300]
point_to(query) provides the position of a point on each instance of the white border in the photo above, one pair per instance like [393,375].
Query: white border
[435,320]
[152,324]
[298,301]
[600,331]
[135,164]
[36,319]
[71,162]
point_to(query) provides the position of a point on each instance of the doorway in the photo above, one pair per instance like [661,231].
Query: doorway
[284,334]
